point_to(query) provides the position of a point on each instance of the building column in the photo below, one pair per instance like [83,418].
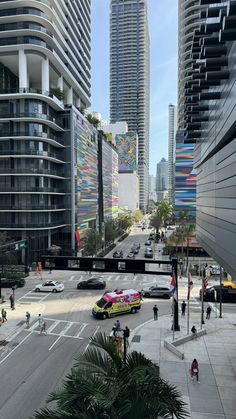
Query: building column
[45,75]
[78,102]
[60,83]
[69,96]
[23,76]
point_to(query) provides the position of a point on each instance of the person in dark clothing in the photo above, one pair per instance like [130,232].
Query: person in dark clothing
[12,302]
[183,308]
[194,370]
[155,312]
[208,313]
[126,335]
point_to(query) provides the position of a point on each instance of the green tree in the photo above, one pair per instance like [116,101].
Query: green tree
[176,240]
[92,243]
[155,221]
[94,121]
[124,222]
[102,385]
[165,211]
[189,230]
[4,238]
[137,215]
[110,231]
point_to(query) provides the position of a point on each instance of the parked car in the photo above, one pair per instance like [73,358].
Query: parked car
[131,255]
[50,286]
[151,236]
[94,283]
[134,250]
[214,269]
[148,243]
[9,283]
[157,291]
[213,294]
[118,254]
[230,284]
[148,253]
[136,244]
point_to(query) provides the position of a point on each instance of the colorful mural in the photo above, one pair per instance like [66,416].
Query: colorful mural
[110,180]
[185,177]
[127,150]
[86,174]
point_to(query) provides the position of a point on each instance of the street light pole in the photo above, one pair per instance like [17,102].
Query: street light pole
[124,342]
[221,277]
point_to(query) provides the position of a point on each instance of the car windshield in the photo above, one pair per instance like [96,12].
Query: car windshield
[101,303]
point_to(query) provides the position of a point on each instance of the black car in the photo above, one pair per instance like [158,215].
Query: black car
[151,236]
[117,254]
[9,283]
[213,294]
[148,243]
[134,250]
[92,284]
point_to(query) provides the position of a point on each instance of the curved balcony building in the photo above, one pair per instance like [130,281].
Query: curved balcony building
[44,71]
[189,19]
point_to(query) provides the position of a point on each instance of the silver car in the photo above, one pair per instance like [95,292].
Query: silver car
[160,291]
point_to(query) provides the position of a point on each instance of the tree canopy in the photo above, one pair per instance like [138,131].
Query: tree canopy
[102,385]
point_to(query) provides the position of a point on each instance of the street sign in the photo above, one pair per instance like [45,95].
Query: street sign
[20,245]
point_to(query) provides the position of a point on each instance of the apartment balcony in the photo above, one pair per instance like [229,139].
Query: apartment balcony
[52,122]
[48,137]
[29,226]
[31,93]
[31,208]
[32,171]
[21,189]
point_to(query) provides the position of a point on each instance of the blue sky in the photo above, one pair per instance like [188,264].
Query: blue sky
[163,24]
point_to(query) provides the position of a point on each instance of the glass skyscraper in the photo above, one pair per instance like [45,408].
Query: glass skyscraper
[129,77]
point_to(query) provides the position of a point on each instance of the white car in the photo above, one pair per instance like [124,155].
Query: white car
[49,286]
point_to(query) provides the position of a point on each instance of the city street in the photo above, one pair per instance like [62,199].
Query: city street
[33,365]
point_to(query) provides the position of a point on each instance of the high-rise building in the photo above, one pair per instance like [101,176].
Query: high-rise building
[188,21]
[129,77]
[211,126]
[45,79]
[162,179]
[152,188]
[171,151]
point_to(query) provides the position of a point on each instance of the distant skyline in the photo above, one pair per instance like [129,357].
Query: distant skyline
[163,24]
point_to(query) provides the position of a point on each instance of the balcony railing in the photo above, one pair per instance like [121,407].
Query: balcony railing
[38,207]
[35,133]
[33,115]
[26,226]
[29,189]
[12,90]
[27,152]
[29,170]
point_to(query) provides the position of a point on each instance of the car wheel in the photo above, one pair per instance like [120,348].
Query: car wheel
[133,310]
[104,316]
[166,296]
[54,290]
[37,290]
[147,295]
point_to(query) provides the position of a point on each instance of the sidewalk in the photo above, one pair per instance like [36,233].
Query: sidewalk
[214,397]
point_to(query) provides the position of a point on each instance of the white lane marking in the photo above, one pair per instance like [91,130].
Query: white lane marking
[109,278]
[13,350]
[54,343]
[95,332]
[14,335]
[117,278]
[33,327]
[81,330]
[71,278]
[31,297]
[53,326]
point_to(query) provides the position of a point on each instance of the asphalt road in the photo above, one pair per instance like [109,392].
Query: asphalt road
[33,365]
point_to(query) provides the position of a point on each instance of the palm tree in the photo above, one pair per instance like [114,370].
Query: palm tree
[102,385]
[188,232]
[165,211]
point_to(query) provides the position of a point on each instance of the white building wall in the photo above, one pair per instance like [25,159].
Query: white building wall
[128,191]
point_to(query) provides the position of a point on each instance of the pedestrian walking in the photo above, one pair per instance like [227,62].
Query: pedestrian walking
[155,312]
[118,326]
[126,335]
[4,315]
[194,370]
[40,320]
[183,308]
[27,320]
[194,331]
[208,313]
[12,302]
[43,328]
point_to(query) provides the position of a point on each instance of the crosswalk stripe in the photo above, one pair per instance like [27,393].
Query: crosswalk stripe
[81,330]
[49,330]
[117,278]
[63,331]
